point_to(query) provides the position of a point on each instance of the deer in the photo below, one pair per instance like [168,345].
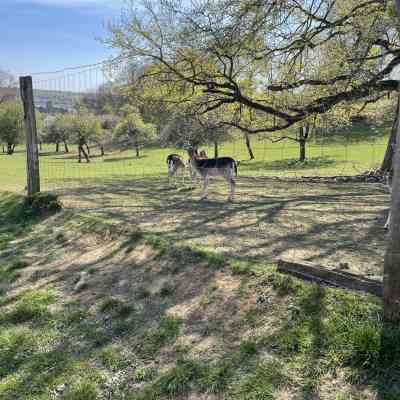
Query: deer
[175,165]
[226,167]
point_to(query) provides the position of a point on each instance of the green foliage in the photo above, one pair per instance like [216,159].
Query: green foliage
[219,58]
[133,128]
[248,348]
[112,358]
[144,374]
[32,305]
[9,272]
[41,204]
[11,123]
[283,284]
[71,127]
[178,379]
[86,126]
[215,377]
[14,342]
[168,330]
[57,128]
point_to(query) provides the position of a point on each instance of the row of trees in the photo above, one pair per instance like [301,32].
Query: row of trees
[81,127]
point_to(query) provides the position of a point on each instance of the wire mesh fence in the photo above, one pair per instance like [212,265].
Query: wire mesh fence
[276,213]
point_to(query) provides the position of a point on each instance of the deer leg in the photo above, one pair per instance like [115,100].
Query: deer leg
[205,188]
[233,186]
[387,225]
[228,176]
[171,179]
[184,175]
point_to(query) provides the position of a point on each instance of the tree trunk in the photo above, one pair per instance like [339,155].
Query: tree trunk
[137,149]
[302,144]
[215,149]
[66,147]
[391,275]
[57,147]
[4,149]
[40,145]
[304,132]
[391,271]
[102,150]
[81,150]
[10,148]
[388,159]
[248,145]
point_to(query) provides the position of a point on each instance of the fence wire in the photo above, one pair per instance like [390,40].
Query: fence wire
[277,212]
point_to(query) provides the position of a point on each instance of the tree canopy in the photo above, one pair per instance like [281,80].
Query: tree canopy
[287,60]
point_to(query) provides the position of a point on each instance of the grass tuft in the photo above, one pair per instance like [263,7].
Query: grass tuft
[167,331]
[32,305]
[41,204]
[144,374]
[178,379]
[261,383]
[112,358]
[83,390]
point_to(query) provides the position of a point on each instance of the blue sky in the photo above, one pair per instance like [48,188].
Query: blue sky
[47,35]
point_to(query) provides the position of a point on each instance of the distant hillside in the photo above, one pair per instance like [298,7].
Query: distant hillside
[47,100]
[8,93]
[56,100]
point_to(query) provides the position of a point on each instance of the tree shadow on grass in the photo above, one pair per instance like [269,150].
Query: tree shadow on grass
[290,164]
[117,159]
[145,286]
[127,296]
[321,223]
[52,153]
[327,329]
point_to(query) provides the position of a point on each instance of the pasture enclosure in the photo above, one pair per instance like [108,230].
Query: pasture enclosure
[278,212]
[275,214]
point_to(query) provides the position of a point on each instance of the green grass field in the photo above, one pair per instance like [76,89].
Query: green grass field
[350,153]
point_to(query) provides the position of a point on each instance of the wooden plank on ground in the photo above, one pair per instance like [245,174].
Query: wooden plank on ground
[334,277]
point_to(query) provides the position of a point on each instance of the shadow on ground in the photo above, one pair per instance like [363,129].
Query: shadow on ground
[325,223]
[92,304]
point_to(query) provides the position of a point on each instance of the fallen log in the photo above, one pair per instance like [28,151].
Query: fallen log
[330,276]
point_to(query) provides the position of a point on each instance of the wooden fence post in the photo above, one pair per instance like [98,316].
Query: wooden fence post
[32,154]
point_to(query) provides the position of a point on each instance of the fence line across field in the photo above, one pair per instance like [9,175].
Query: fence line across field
[276,211]
[70,85]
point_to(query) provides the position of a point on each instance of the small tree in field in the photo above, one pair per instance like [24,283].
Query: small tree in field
[134,128]
[108,124]
[85,127]
[58,130]
[11,125]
